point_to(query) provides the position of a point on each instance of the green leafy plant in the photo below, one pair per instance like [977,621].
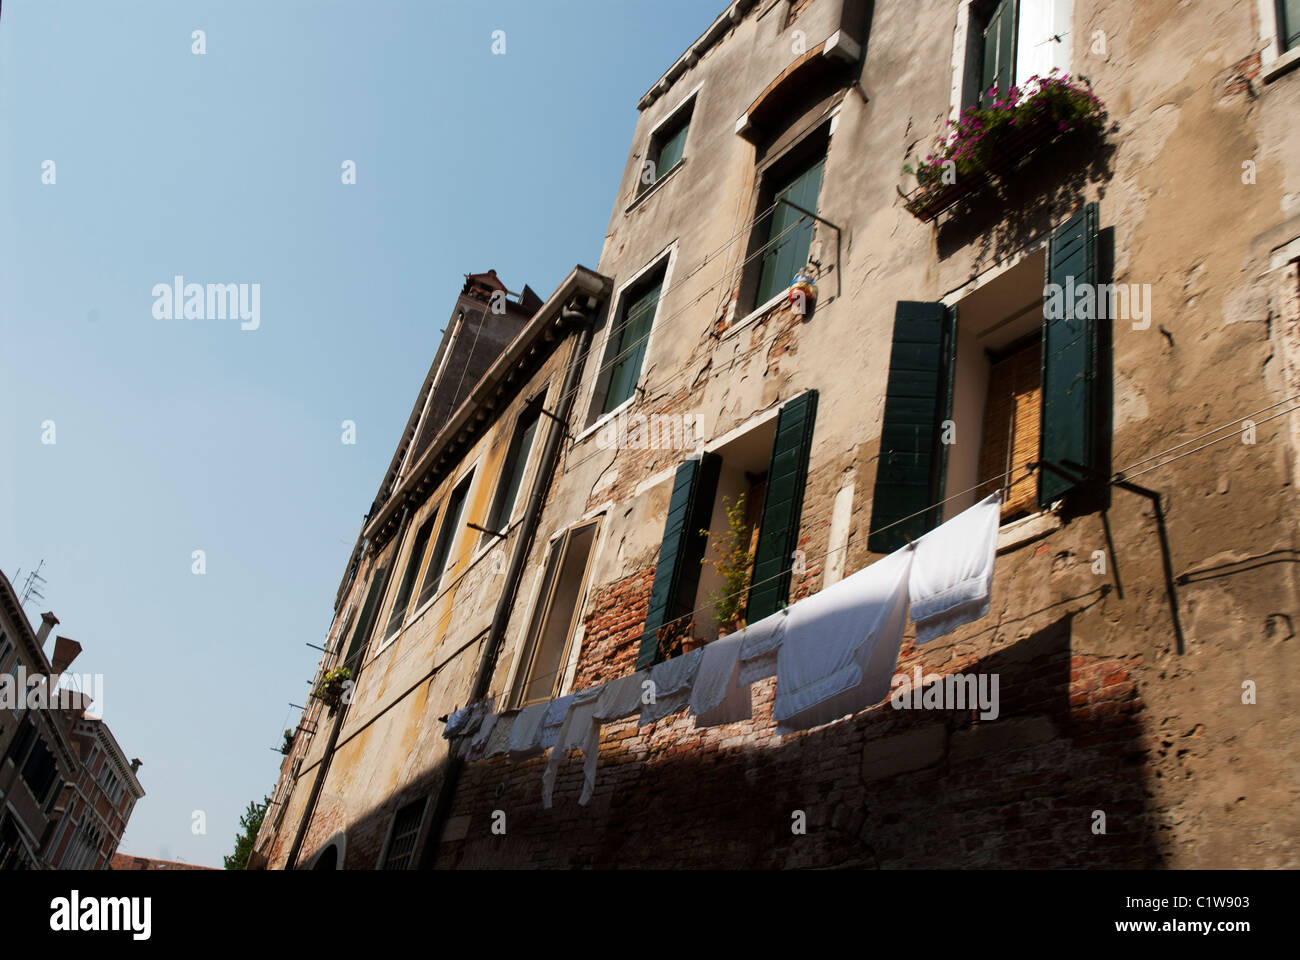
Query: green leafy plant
[330,689]
[733,564]
[250,823]
[288,742]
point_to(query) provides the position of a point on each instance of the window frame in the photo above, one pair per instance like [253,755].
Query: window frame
[667,259]
[449,534]
[423,804]
[679,117]
[500,515]
[799,155]
[410,578]
[539,611]
[1276,56]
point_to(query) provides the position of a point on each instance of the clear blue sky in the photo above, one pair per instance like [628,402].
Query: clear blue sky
[182,435]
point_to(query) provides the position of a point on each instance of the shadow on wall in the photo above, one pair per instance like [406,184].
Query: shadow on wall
[888,788]
[1018,211]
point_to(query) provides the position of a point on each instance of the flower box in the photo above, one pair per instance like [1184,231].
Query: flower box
[987,142]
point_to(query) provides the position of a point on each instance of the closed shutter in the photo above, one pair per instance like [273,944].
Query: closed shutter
[998,68]
[778,531]
[918,398]
[678,573]
[1070,388]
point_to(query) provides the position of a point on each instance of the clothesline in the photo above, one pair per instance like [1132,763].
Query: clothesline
[833,653]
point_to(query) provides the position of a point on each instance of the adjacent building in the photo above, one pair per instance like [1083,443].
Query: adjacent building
[66,788]
[817,329]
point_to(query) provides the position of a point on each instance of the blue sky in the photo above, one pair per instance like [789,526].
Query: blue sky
[179,435]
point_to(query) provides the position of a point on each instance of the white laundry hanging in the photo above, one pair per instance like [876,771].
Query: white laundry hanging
[951,582]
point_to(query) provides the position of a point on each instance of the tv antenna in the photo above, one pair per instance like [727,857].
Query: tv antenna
[33,586]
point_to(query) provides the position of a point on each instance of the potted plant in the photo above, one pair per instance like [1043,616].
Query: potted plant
[330,689]
[985,141]
[288,743]
[733,564]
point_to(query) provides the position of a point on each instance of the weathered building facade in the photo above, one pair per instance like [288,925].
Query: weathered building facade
[787,322]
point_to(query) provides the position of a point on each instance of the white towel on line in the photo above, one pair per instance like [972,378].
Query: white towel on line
[758,648]
[478,743]
[580,731]
[951,582]
[841,646]
[499,742]
[717,697]
[526,730]
[672,681]
[553,721]
[622,697]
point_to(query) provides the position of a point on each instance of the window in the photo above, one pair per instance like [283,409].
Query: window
[769,462]
[365,622]
[1288,23]
[625,348]
[5,648]
[555,616]
[667,145]
[40,771]
[786,234]
[1007,43]
[407,584]
[1002,370]
[451,521]
[512,471]
[402,836]
[21,742]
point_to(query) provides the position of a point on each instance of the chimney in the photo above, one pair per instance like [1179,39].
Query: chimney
[48,620]
[65,651]
[136,763]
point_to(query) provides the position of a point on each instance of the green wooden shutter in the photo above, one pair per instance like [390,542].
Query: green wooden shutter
[918,398]
[1289,22]
[677,575]
[1070,388]
[999,66]
[778,529]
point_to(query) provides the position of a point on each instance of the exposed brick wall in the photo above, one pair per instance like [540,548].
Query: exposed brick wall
[612,629]
[885,788]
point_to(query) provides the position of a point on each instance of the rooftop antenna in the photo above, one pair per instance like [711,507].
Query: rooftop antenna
[32,586]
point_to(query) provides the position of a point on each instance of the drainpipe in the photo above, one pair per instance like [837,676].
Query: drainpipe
[527,531]
[324,767]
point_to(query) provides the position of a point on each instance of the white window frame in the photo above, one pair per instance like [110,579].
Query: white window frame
[573,650]
[962,44]
[1273,60]
[668,255]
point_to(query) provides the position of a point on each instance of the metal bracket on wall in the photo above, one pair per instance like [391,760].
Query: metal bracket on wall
[839,285]
[1078,476]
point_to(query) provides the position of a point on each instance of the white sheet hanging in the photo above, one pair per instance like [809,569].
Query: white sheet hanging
[952,574]
[579,731]
[717,696]
[672,681]
[841,646]
[526,731]
[758,648]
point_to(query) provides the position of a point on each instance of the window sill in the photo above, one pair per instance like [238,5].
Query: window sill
[755,314]
[603,419]
[636,201]
[1017,533]
[1279,65]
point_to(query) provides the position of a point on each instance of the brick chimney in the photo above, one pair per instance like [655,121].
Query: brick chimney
[48,621]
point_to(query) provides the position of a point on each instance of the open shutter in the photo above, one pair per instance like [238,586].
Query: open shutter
[999,66]
[678,573]
[1070,389]
[918,398]
[778,530]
